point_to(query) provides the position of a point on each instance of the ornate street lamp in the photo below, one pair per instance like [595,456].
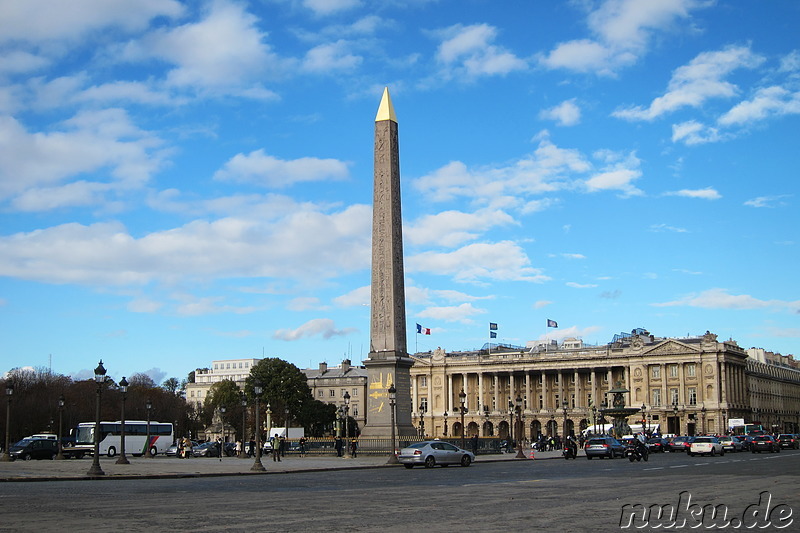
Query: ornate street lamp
[9,392]
[60,416]
[462,396]
[123,459]
[644,419]
[703,417]
[257,465]
[486,414]
[392,403]
[346,397]
[520,454]
[553,431]
[594,419]
[445,424]
[222,410]
[148,451]
[565,406]
[243,399]
[677,422]
[100,379]
[421,422]
[510,425]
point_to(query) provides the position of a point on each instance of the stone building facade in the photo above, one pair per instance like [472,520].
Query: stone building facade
[328,384]
[235,370]
[686,385]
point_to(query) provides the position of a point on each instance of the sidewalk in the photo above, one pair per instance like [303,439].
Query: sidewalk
[172,467]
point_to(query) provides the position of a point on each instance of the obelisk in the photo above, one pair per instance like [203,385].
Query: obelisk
[388,362]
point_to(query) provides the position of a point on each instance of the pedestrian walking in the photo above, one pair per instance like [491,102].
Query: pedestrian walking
[353,447]
[474,443]
[276,453]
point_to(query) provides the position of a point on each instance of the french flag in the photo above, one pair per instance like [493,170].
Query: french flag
[423,331]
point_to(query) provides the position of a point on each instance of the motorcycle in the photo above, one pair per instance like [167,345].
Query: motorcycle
[569,452]
[637,454]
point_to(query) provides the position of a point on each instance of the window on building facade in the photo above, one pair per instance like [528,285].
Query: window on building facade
[541,402]
[655,396]
[423,404]
[572,402]
[333,393]
[354,393]
[692,393]
[656,371]
[690,370]
[673,371]
[423,381]
[558,401]
[355,411]
[673,396]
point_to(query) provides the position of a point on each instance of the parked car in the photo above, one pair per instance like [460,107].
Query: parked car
[680,444]
[657,444]
[764,443]
[730,444]
[28,449]
[603,447]
[207,449]
[434,452]
[788,440]
[706,446]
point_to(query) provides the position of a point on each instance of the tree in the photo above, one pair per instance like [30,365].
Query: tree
[285,386]
[142,380]
[171,385]
[227,393]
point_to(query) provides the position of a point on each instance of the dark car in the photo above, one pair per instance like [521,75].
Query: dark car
[657,444]
[680,444]
[788,440]
[603,447]
[207,449]
[28,449]
[764,443]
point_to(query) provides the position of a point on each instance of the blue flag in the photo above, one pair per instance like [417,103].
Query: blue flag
[552,323]
[492,326]
[492,335]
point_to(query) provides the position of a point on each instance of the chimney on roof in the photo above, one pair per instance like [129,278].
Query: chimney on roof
[323,367]
[345,366]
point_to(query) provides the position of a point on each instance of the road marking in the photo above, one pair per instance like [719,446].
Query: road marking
[679,466]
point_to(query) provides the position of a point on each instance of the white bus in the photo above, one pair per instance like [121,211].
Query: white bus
[161,437]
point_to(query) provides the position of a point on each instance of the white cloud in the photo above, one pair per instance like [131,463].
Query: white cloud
[541,304]
[224,51]
[468,51]
[452,228]
[708,193]
[768,201]
[618,174]
[36,164]
[268,171]
[692,132]
[657,228]
[499,261]
[460,313]
[305,303]
[328,7]
[36,21]
[575,285]
[622,31]
[356,297]
[722,299]
[144,305]
[693,84]
[105,254]
[318,327]
[768,101]
[330,57]
[573,256]
[567,113]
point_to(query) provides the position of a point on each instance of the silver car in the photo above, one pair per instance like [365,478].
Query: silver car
[434,452]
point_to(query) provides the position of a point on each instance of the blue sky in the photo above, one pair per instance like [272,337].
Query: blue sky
[188,181]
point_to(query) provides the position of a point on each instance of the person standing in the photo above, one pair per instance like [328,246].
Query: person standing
[276,453]
[302,443]
[474,443]
[338,446]
[282,445]
[353,447]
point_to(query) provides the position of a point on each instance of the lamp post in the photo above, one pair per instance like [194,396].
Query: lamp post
[462,396]
[392,402]
[222,410]
[257,465]
[444,432]
[60,416]
[677,422]
[421,422]
[148,451]
[9,392]
[486,426]
[594,419]
[346,397]
[703,418]
[122,459]
[285,437]
[243,400]
[565,406]
[100,378]
[520,454]
[644,419]
[510,424]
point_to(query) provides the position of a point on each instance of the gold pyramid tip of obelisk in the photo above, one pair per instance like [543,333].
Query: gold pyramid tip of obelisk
[386,109]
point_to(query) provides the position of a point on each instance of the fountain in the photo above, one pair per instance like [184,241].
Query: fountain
[618,412]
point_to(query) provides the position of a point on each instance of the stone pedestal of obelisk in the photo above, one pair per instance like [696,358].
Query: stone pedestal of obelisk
[388,362]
